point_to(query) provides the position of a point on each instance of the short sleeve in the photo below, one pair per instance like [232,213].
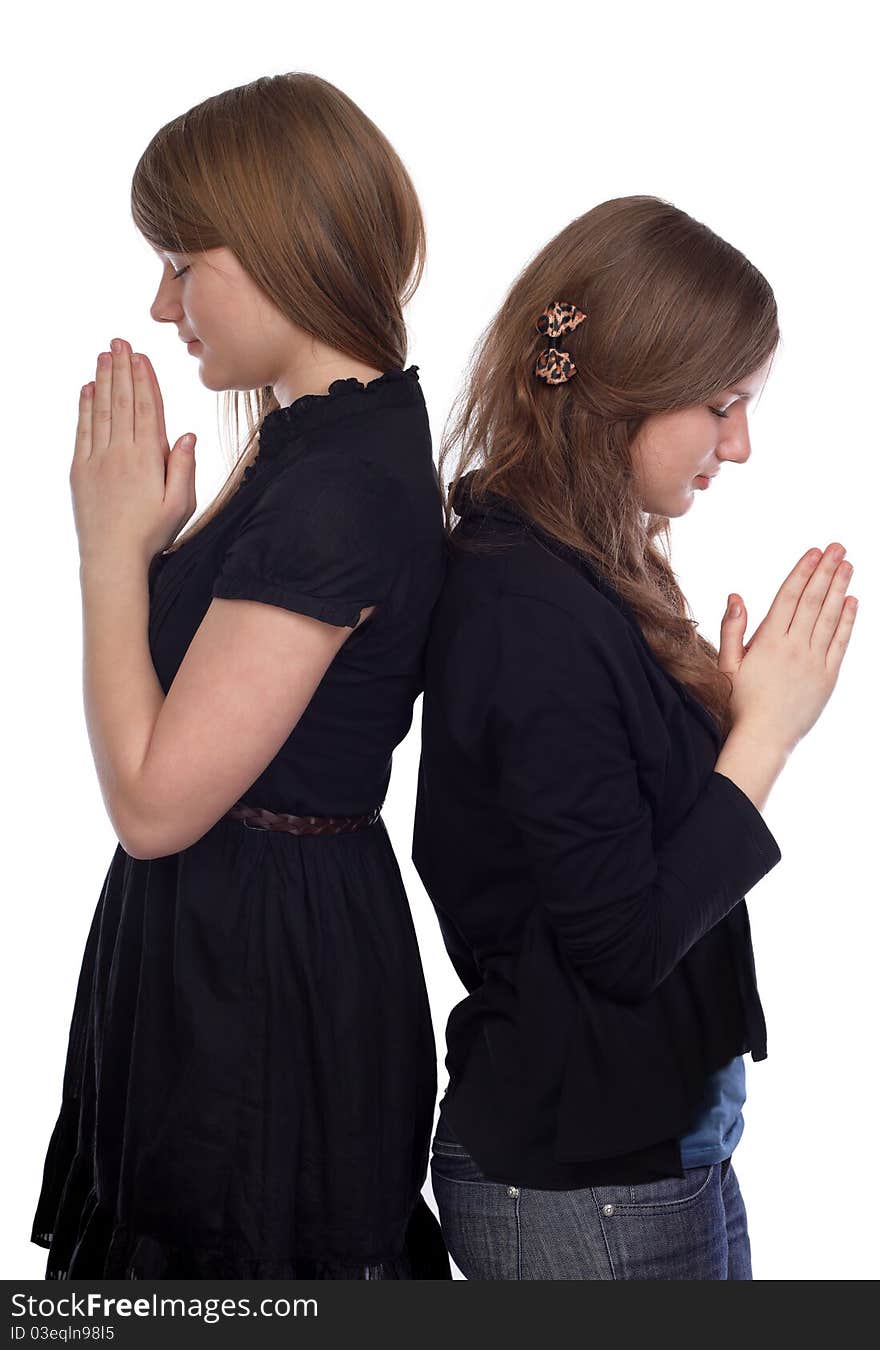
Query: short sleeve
[321,538]
[626,905]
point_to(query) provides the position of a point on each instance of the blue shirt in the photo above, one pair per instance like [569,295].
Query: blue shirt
[719,1125]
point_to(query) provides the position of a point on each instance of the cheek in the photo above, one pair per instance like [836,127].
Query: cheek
[687,450]
[670,455]
[655,461]
[643,452]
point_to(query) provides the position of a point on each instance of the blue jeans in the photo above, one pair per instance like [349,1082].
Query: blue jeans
[680,1228]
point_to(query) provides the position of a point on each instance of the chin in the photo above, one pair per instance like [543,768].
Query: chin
[217,386]
[682,502]
[672,507]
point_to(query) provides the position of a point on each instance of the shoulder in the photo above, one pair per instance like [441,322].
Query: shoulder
[320,470]
[514,578]
[329,492]
[320,511]
[523,630]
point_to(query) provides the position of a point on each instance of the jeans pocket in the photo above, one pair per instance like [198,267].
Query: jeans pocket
[479,1218]
[669,1193]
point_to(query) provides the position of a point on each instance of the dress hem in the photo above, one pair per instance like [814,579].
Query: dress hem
[107,1250]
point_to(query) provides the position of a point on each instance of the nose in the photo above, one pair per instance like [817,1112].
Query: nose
[735,443]
[165,309]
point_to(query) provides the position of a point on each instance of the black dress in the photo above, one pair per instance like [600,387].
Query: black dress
[251,1070]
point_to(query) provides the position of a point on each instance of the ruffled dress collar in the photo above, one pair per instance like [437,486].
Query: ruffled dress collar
[282,427]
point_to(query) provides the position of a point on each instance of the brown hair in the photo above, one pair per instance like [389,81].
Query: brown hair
[295,179]
[675,315]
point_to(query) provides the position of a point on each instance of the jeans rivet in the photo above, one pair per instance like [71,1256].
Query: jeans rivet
[607,1209]
[513,1191]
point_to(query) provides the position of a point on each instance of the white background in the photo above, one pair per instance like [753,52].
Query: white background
[512,119]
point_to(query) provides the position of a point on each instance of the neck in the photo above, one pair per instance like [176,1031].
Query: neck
[314,375]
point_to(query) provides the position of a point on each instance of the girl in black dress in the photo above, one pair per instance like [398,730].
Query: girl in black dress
[250,1079]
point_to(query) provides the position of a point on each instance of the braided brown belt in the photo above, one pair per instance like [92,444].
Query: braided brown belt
[259,818]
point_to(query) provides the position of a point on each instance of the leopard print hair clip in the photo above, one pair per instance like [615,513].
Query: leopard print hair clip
[554,365]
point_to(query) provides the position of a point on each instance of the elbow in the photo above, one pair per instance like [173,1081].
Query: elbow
[144,852]
[144,845]
[630,987]
[625,966]
[125,828]
[629,982]
[149,840]
[156,836]
[145,839]
[150,823]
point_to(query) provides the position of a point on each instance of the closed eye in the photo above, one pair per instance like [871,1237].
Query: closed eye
[718,412]
[175,275]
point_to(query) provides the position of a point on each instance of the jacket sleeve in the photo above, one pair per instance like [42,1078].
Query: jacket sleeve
[625,906]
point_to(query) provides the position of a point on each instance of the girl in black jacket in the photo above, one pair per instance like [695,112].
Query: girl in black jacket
[593,769]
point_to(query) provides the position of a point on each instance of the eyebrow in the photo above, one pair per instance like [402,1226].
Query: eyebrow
[742,393]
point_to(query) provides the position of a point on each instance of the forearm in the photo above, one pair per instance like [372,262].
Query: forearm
[753,761]
[629,939]
[121,691]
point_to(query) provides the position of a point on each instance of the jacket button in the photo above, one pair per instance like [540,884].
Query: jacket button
[607,1209]
[513,1191]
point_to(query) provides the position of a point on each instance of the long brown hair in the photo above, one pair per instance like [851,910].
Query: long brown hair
[675,315]
[305,190]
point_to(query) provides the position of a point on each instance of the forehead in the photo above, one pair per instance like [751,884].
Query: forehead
[751,385]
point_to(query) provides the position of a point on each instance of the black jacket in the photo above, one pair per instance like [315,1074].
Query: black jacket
[587,866]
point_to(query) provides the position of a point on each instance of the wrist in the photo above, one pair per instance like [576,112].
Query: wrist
[763,736]
[101,564]
[753,757]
